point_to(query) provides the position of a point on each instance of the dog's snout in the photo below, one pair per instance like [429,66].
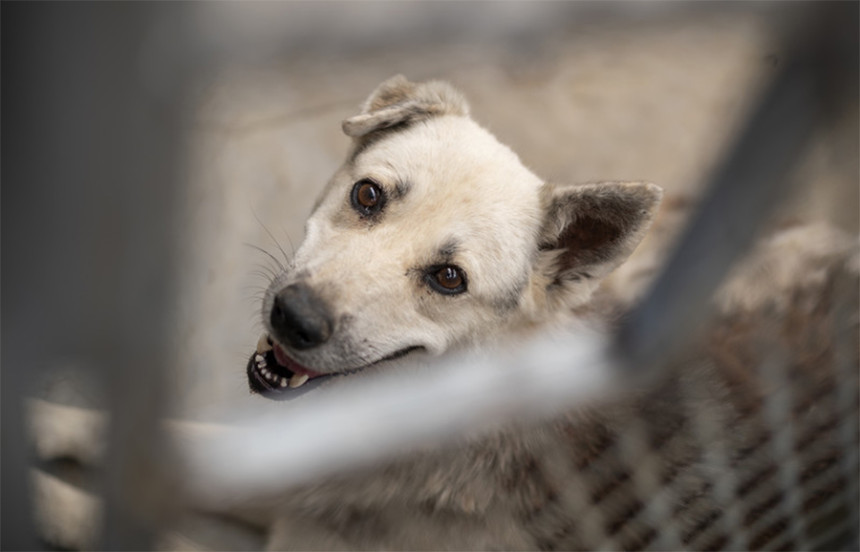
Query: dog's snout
[300,318]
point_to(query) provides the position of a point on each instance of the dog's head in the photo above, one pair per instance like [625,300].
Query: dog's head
[434,235]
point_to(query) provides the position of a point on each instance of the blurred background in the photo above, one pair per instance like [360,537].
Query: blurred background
[150,149]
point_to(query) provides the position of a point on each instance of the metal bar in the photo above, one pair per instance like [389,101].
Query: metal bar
[741,194]
[374,418]
[847,406]
[89,182]
[146,89]
[712,437]
[778,415]
[31,299]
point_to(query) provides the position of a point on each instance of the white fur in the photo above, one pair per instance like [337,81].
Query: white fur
[463,187]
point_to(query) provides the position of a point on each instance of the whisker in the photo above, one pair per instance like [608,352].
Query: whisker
[264,272]
[289,239]
[277,243]
[264,252]
[254,292]
[256,286]
[255,295]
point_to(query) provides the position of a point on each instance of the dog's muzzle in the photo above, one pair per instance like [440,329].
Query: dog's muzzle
[300,320]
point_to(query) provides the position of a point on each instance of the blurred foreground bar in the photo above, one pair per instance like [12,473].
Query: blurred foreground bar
[817,82]
[92,142]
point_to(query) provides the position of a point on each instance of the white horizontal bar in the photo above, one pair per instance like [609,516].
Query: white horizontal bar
[367,419]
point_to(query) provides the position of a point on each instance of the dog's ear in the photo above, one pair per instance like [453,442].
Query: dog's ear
[398,101]
[588,231]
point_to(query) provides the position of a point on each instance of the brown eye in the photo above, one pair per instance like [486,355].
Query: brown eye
[367,197]
[448,279]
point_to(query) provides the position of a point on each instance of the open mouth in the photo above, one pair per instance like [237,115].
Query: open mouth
[273,374]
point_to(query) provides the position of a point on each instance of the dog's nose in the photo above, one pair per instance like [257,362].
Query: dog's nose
[300,318]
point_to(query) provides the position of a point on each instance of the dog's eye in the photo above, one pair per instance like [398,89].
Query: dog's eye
[447,279]
[367,197]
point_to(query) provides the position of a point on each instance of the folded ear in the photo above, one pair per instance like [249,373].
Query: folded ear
[588,231]
[397,102]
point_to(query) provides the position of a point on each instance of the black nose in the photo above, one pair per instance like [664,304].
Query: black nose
[300,318]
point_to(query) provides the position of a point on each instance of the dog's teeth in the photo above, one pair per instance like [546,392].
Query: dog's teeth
[264,372]
[298,380]
[263,344]
[259,359]
[283,382]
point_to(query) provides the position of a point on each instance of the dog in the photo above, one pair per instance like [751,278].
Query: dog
[434,237]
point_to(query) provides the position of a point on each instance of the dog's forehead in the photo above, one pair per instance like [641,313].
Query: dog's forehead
[450,154]
[457,184]
[450,165]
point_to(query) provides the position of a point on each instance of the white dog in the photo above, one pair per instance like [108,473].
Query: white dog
[434,236]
